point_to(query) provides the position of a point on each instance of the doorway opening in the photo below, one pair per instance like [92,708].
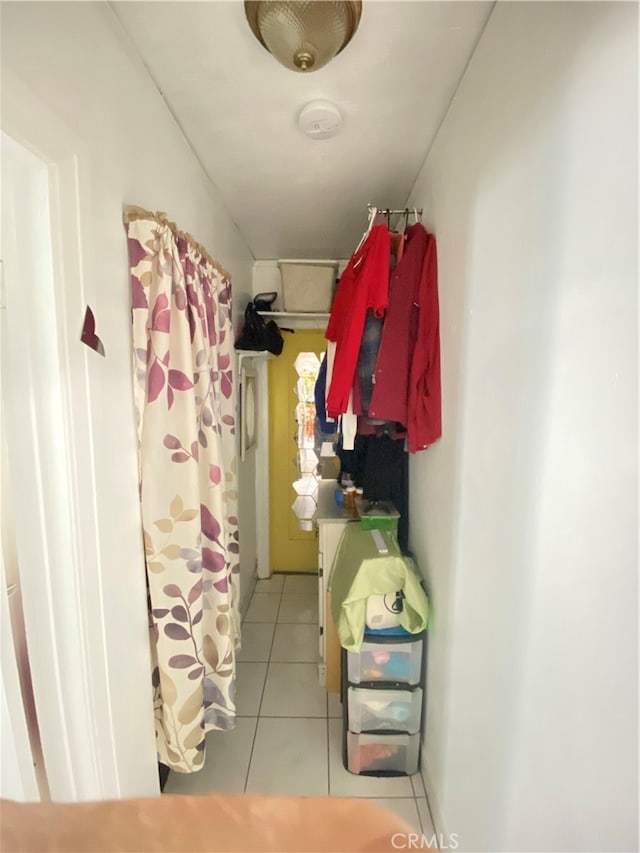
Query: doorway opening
[293,478]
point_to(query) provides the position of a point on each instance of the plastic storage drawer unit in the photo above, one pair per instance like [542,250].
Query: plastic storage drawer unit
[382,754]
[375,709]
[380,659]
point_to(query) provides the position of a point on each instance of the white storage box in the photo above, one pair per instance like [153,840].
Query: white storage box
[382,709]
[382,755]
[399,662]
[307,287]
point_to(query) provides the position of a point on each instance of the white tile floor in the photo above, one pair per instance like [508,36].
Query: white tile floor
[288,735]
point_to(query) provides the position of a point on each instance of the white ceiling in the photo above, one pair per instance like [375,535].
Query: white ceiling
[292,196]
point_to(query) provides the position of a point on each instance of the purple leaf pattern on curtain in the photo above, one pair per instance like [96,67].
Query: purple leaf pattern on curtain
[183,385]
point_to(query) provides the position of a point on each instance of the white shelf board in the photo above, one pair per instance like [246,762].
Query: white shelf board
[251,353]
[306,262]
[295,315]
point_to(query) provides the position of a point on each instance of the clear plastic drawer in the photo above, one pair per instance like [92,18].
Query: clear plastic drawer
[373,710]
[386,661]
[382,755]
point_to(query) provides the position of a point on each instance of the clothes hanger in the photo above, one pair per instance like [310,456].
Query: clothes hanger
[373,212]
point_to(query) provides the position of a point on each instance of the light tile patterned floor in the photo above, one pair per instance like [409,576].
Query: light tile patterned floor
[288,735]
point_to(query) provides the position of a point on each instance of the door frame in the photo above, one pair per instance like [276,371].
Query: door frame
[291,321]
[59,549]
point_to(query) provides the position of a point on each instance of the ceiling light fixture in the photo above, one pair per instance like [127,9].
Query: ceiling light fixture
[303,36]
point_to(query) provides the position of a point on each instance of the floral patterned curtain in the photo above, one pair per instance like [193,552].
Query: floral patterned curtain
[183,347]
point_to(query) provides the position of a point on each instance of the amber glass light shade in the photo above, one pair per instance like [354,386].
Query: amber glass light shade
[303,35]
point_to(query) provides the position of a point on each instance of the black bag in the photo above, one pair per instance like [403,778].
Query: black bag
[258,335]
[264,301]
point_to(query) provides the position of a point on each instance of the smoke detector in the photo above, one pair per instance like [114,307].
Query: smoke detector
[320,119]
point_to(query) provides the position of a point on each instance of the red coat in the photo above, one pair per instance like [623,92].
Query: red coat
[390,395]
[425,413]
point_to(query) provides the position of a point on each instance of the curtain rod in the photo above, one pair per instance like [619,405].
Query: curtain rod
[388,212]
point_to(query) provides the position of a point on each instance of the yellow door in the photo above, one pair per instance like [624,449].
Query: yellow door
[292,548]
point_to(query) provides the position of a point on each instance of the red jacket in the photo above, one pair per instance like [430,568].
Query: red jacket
[364,284]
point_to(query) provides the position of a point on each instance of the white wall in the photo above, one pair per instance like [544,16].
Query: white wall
[524,515]
[73,65]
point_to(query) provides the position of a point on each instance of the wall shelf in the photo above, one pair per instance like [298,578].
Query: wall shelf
[294,315]
[251,353]
[297,319]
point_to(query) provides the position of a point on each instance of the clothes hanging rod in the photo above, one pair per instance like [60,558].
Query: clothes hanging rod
[389,212]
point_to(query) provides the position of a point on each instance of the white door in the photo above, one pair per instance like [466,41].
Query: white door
[86,627]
